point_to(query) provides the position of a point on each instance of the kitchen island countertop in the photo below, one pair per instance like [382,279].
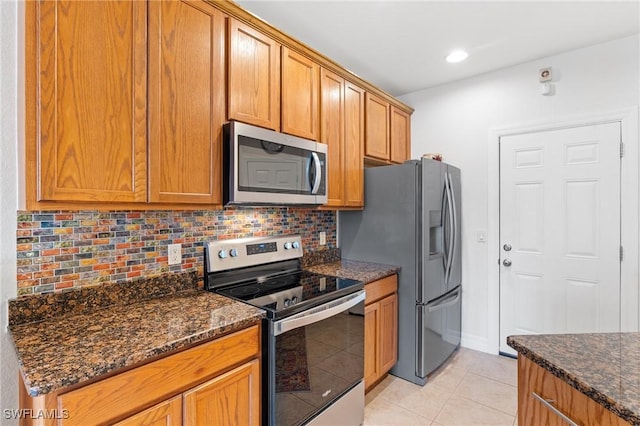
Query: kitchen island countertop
[355,270]
[603,366]
[61,351]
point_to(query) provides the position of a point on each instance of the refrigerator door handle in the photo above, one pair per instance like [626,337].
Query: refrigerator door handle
[450,229]
[451,300]
[454,225]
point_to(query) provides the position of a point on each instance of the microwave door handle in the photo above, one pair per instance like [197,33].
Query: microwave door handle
[317,174]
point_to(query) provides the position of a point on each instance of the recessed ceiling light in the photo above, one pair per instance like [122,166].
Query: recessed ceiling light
[456,56]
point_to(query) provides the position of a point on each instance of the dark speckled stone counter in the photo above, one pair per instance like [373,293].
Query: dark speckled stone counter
[354,269]
[605,366]
[61,351]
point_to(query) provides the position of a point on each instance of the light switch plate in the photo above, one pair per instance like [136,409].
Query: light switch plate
[323,238]
[175,254]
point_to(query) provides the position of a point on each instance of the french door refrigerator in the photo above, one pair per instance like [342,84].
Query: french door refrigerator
[411,219]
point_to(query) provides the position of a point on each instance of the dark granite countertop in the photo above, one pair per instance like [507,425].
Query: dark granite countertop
[355,269]
[603,366]
[63,339]
[60,351]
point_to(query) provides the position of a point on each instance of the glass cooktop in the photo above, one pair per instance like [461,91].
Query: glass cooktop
[290,292]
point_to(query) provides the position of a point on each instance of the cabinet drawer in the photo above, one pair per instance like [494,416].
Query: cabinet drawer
[555,399]
[381,288]
[129,392]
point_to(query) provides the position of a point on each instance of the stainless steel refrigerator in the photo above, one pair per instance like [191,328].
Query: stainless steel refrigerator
[412,219]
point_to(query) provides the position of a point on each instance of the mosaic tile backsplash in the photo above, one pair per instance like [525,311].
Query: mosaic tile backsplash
[63,250]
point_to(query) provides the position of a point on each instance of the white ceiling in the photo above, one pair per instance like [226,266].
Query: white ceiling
[400,46]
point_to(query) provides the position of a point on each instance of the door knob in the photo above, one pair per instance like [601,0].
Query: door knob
[506,247]
[506,262]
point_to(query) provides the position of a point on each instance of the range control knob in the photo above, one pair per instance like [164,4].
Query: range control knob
[287,302]
[233,252]
[296,245]
[222,254]
[294,300]
[287,246]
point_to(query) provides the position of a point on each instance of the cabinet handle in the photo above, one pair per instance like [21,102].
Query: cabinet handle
[549,404]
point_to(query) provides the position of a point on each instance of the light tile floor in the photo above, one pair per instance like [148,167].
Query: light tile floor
[472,388]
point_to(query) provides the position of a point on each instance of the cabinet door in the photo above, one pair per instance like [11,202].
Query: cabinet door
[332,133]
[254,77]
[300,89]
[230,399]
[560,397]
[371,344]
[91,99]
[186,101]
[377,128]
[167,413]
[353,145]
[388,332]
[400,135]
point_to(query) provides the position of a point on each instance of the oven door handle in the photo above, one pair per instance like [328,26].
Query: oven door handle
[318,313]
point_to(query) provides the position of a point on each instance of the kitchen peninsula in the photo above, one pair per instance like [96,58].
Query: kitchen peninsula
[587,379]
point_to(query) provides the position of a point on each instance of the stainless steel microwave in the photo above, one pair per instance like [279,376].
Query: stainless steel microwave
[263,167]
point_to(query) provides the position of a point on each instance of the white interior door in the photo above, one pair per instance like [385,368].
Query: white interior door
[560,231]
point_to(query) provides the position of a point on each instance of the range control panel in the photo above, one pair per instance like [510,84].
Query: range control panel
[230,254]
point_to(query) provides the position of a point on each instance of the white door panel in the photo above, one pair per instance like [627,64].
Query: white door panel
[560,213]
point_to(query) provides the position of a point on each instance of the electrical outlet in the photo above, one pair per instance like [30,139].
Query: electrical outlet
[175,254]
[323,238]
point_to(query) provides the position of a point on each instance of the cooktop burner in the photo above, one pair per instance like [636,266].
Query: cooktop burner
[265,272]
[244,291]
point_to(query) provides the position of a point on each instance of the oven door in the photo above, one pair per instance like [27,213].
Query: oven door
[315,362]
[269,167]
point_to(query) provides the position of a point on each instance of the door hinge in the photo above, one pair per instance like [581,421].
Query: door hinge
[621,253]
[621,149]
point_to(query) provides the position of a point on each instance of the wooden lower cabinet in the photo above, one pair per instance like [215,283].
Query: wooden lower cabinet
[231,399]
[560,400]
[217,382]
[166,413]
[380,329]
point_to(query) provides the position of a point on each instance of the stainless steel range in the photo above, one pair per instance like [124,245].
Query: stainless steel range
[313,334]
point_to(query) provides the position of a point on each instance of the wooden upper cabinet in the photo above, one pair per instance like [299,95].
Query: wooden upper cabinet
[186,102]
[332,134]
[354,133]
[88,100]
[342,128]
[300,89]
[377,128]
[254,77]
[400,135]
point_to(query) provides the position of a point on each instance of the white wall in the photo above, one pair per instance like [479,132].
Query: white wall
[457,119]
[8,197]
